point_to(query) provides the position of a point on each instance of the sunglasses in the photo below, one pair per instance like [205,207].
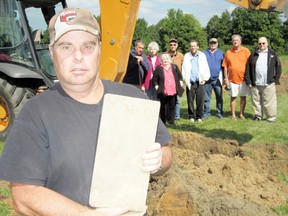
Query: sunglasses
[173,44]
[261,43]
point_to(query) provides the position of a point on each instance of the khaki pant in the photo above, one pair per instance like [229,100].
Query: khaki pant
[264,101]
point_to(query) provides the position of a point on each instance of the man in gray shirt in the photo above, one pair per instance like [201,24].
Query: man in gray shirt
[49,154]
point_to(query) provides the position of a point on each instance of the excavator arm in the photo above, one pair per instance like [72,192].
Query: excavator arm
[117,22]
[264,5]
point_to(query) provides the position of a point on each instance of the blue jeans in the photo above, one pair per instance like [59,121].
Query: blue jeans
[217,87]
[177,108]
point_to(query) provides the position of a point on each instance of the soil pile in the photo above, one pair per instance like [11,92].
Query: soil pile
[219,177]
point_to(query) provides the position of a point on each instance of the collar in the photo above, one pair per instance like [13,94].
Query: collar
[265,51]
[196,54]
[173,55]
[236,51]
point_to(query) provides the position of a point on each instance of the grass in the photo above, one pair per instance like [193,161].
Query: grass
[244,131]
[5,209]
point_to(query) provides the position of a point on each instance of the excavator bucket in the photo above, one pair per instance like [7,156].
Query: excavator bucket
[117,23]
[264,5]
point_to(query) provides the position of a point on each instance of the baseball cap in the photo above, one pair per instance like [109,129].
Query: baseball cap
[213,40]
[71,19]
[173,40]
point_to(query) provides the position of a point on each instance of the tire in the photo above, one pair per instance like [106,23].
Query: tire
[12,100]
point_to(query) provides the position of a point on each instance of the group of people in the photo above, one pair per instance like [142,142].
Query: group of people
[159,77]
[243,73]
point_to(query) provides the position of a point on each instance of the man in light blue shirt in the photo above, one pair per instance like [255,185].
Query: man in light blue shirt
[195,72]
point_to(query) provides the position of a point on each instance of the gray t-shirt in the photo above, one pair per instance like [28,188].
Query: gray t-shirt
[53,142]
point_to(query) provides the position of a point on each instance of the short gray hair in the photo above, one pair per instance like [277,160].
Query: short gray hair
[236,35]
[153,45]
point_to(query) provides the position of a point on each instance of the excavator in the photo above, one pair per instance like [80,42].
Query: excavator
[25,64]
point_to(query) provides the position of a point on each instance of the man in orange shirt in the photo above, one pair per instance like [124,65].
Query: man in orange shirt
[234,70]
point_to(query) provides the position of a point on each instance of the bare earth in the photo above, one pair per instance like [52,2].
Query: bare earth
[219,177]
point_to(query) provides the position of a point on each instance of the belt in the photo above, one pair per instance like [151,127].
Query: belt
[193,83]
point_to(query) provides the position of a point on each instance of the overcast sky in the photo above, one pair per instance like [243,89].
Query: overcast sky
[154,10]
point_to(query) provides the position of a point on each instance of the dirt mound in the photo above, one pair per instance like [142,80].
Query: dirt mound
[220,177]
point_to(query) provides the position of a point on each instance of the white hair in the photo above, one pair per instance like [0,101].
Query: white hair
[153,45]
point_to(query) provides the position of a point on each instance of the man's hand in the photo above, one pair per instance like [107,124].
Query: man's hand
[152,158]
[139,59]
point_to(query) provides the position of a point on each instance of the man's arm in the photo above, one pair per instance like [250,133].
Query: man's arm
[145,64]
[278,70]
[226,81]
[38,200]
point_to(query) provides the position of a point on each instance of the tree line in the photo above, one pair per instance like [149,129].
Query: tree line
[248,23]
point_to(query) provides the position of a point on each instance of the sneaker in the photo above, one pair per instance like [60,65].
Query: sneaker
[199,120]
[257,118]
[219,116]
[205,116]
[192,119]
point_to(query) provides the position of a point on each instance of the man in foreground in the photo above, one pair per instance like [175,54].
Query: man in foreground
[49,154]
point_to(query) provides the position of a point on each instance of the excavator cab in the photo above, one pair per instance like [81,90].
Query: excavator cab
[25,64]
[20,46]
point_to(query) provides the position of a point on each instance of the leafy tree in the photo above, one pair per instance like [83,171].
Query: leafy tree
[45,37]
[252,24]
[220,28]
[140,32]
[184,27]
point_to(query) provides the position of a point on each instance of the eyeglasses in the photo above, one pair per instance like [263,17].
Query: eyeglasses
[261,43]
[173,44]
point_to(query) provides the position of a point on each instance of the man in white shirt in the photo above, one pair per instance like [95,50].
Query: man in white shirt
[195,72]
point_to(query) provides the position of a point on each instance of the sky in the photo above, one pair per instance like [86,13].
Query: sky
[154,11]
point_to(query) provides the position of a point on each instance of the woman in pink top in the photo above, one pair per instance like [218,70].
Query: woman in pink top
[168,82]
[154,61]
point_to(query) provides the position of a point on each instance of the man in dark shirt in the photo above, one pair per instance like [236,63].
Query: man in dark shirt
[138,65]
